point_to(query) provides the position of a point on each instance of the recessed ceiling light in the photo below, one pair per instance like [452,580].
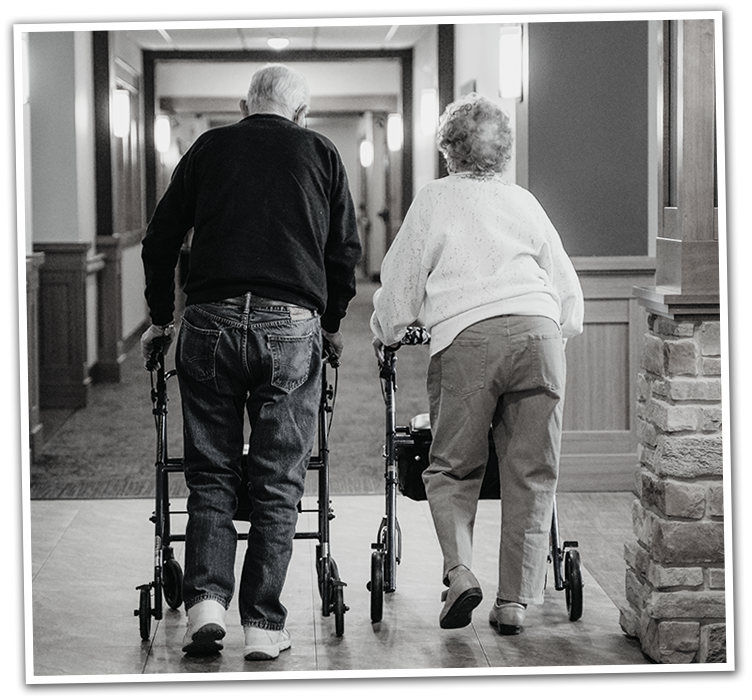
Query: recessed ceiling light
[278,42]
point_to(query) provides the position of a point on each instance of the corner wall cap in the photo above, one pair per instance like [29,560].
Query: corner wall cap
[672,303]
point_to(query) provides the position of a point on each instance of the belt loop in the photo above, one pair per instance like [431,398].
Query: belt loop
[247,309]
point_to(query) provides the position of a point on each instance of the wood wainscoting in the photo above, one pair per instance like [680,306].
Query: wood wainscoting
[63,363]
[599,444]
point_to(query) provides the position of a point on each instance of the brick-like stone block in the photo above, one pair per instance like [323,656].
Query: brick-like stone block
[686,605]
[635,591]
[642,523]
[675,543]
[713,643]
[688,456]
[716,579]
[669,577]
[643,387]
[672,418]
[678,329]
[629,622]
[715,500]
[653,355]
[710,337]
[690,389]
[684,500]
[679,636]
[711,366]
[711,419]
[637,558]
[654,644]
[646,432]
[645,455]
[682,357]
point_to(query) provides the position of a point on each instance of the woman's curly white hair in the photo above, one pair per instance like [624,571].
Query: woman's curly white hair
[475,137]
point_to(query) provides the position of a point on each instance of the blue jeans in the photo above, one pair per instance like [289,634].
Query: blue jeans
[239,355]
[506,373]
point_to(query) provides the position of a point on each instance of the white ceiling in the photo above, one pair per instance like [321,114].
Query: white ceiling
[240,38]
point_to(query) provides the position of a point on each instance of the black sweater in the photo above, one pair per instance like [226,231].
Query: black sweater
[271,213]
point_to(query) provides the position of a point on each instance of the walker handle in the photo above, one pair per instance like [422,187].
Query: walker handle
[328,354]
[156,358]
[416,335]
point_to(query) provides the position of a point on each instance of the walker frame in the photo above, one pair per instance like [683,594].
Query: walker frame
[166,586]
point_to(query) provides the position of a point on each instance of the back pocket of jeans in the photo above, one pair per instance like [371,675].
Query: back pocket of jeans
[198,350]
[463,366]
[291,360]
[547,359]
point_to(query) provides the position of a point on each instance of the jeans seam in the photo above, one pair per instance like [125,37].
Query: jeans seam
[262,624]
[204,597]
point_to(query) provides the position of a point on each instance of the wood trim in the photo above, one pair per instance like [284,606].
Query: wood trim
[608,351]
[110,352]
[63,375]
[597,472]
[445,61]
[102,137]
[36,427]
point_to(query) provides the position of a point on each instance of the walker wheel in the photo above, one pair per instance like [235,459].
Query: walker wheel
[172,583]
[339,609]
[573,584]
[144,612]
[376,585]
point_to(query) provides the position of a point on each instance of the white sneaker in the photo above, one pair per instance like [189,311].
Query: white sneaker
[206,626]
[263,644]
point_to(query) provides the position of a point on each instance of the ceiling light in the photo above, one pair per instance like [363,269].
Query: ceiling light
[278,42]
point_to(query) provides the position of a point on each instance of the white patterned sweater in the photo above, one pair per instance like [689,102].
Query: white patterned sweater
[470,249]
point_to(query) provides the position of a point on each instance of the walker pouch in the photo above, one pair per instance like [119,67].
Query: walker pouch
[413,444]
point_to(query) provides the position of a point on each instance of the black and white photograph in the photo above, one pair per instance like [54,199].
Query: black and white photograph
[375,347]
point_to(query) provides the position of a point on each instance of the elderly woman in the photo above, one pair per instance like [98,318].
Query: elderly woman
[479,260]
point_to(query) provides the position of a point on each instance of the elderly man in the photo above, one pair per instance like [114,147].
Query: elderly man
[272,270]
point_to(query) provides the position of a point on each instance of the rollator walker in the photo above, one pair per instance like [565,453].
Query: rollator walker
[167,584]
[406,455]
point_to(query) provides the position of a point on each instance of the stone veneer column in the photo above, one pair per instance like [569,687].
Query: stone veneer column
[675,577]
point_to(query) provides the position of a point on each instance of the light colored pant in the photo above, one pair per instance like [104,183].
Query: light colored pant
[506,373]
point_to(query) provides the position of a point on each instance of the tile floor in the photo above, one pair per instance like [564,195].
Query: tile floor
[88,557]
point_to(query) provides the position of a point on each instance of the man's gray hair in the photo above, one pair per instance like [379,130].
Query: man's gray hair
[277,88]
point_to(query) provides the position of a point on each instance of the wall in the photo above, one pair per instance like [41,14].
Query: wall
[61,137]
[588,133]
[477,59]
[223,79]
[62,226]
[425,76]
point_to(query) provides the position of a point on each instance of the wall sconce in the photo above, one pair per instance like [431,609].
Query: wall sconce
[121,113]
[429,111]
[366,153]
[162,133]
[510,62]
[394,132]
